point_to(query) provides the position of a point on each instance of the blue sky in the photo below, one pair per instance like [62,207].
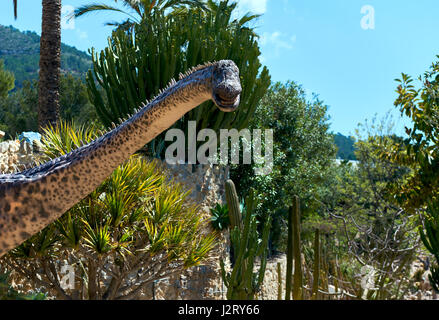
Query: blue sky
[321,44]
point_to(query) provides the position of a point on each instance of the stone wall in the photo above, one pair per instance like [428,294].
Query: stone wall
[15,155]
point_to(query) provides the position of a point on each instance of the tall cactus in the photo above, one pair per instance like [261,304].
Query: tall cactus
[290,256]
[316,271]
[298,273]
[243,283]
[294,254]
[279,281]
[235,215]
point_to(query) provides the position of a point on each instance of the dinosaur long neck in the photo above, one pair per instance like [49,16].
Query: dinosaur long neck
[31,200]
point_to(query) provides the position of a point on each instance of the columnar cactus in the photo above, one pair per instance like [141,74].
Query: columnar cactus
[235,215]
[316,271]
[294,253]
[279,281]
[298,274]
[289,271]
[242,283]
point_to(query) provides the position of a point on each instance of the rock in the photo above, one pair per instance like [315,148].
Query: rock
[37,146]
[25,147]
[30,136]
[14,146]
[3,167]
[4,147]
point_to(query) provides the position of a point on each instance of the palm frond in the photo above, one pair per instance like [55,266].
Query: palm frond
[92,8]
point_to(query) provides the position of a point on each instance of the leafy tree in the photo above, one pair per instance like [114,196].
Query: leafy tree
[19,111]
[377,232]
[137,227]
[420,152]
[422,145]
[303,155]
[74,102]
[6,81]
[135,66]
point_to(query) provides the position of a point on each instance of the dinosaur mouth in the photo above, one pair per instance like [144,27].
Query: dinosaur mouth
[226,86]
[227,104]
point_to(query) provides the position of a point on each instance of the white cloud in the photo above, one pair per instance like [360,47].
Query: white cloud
[67,23]
[277,40]
[254,6]
[81,34]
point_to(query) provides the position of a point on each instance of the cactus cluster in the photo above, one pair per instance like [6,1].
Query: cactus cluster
[294,254]
[243,282]
[294,281]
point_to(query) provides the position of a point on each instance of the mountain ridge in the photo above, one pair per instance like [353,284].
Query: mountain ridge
[20,51]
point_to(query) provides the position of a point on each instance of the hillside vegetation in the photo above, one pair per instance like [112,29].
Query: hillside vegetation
[346,147]
[20,52]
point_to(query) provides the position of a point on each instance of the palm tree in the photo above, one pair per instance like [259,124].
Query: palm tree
[138,9]
[50,64]
[15,9]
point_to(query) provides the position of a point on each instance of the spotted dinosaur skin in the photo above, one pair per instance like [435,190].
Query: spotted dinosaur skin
[32,199]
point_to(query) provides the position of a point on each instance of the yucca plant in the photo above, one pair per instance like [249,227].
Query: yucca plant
[135,228]
[136,65]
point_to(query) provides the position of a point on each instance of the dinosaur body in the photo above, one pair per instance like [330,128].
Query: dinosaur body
[32,199]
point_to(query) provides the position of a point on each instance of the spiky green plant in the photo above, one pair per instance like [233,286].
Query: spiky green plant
[220,217]
[136,65]
[242,282]
[135,228]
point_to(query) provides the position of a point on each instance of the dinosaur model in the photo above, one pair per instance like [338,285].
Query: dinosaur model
[32,199]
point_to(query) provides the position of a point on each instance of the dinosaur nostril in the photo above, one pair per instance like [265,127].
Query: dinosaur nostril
[228,93]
